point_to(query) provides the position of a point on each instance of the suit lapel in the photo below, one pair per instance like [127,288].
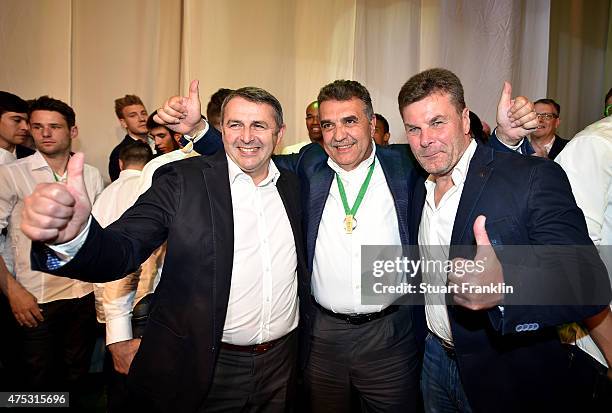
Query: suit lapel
[397,179]
[319,186]
[292,209]
[477,176]
[216,178]
[418,202]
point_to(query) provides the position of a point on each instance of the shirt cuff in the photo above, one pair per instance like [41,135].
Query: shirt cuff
[66,251]
[198,135]
[513,147]
[118,329]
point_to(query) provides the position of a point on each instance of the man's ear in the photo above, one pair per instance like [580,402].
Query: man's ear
[465,118]
[372,126]
[177,137]
[74,132]
[386,137]
[121,165]
[279,136]
[123,123]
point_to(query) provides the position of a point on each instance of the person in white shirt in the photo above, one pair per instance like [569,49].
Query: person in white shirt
[13,133]
[56,315]
[222,331]
[587,161]
[123,305]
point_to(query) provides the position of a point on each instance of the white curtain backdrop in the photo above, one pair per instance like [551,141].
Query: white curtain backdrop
[89,52]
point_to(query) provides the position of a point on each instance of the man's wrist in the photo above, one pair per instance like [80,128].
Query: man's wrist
[507,140]
[199,127]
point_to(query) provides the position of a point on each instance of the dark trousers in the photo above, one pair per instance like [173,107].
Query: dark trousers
[56,354]
[11,375]
[117,396]
[246,382]
[378,360]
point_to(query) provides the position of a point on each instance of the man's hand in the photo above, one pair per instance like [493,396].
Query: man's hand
[55,212]
[484,270]
[182,113]
[23,305]
[123,353]
[516,118]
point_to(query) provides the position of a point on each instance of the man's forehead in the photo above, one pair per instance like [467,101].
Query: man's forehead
[158,130]
[239,106]
[48,115]
[435,104]
[545,107]
[352,106]
[134,108]
[15,114]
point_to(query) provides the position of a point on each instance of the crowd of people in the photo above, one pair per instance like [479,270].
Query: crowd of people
[231,279]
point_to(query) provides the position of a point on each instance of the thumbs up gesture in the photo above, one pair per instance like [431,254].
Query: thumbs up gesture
[516,118]
[182,114]
[56,212]
[483,271]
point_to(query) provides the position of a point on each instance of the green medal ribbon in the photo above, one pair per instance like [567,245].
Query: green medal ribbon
[349,219]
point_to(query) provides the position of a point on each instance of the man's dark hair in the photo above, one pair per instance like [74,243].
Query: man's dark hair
[343,90]
[125,101]
[213,108]
[152,124]
[476,129]
[608,95]
[256,95]
[53,105]
[432,81]
[135,153]
[547,101]
[12,103]
[380,118]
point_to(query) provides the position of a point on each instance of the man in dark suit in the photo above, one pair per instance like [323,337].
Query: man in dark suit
[484,354]
[222,332]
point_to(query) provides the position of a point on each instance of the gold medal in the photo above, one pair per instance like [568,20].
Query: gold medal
[349,224]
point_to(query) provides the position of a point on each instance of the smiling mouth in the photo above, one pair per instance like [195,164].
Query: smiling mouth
[248,150]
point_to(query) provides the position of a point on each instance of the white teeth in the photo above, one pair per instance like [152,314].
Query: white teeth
[248,149]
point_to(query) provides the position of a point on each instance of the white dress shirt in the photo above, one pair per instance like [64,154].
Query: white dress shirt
[435,232]
[336,274]
[5,250]
[263,303]
[17,180]
[7,156]
[116,299]
[587,161]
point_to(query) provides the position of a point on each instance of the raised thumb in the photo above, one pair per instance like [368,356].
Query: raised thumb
[74,177]
[506,94]
[194,89]
[480,232]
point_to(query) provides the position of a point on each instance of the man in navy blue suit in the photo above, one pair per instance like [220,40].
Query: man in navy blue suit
[481,354]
